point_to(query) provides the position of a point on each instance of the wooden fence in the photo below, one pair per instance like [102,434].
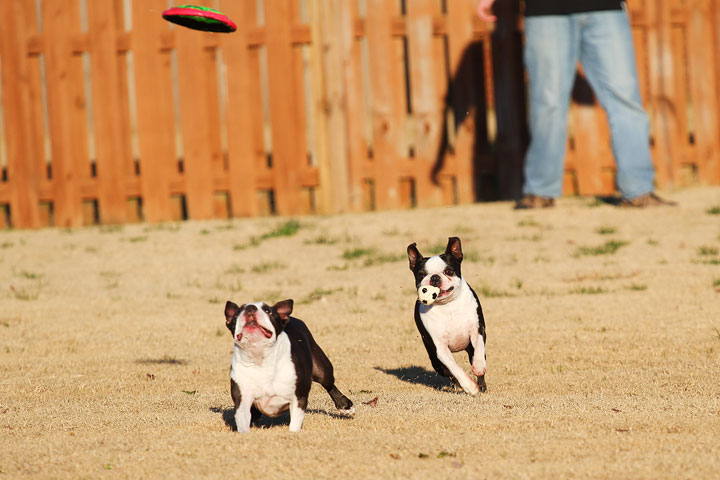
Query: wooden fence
[112,115]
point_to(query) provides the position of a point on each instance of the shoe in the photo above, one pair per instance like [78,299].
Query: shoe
[529,201]
[647,200]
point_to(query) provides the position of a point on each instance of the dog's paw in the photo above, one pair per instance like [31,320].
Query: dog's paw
[480,370]
[472,389]
[347,411]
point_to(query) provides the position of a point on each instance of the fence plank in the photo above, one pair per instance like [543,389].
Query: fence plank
[661,79]
[195,122]
[23,151]
[288,130]
[156,126]
[108,102]
[328,19]
[425,61]
[66,110]
[387,117]
[705,87]
[244,110]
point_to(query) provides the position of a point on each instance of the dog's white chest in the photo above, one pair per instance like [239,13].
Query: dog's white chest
[454,323]
[271,383]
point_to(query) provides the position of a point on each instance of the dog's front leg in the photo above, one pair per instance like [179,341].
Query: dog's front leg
[479,364]
[446,357]
[243,416]
[297,413]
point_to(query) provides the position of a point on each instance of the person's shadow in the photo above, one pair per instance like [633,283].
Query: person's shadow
[497,162]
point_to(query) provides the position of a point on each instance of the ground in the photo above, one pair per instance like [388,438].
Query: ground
[603,345]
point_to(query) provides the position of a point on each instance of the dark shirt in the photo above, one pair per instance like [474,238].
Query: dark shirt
[565,7]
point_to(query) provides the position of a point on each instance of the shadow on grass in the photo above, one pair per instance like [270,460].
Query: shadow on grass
[420,376]
[228,416]
[161,361]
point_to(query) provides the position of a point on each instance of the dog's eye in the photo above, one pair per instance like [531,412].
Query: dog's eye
[266,309]
[449,271]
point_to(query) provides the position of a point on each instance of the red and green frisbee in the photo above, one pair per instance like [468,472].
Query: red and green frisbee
[199,18]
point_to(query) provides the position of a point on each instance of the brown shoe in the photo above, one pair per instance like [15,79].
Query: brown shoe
[534,201]
[647,200]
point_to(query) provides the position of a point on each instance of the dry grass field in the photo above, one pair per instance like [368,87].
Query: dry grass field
[603,345]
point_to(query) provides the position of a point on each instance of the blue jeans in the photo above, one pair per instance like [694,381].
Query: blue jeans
[603,43]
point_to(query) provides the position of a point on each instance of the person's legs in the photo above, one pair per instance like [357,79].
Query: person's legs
[551,54]
[608,57]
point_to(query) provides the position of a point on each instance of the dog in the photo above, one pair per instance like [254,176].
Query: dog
[275,359]
[454,321]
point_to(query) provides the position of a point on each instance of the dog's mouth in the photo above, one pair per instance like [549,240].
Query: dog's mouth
[251,326]
[444,293]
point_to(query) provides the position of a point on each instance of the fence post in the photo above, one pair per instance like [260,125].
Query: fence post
[23,152]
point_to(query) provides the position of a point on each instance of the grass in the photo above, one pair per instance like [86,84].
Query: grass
[266,267]
[706,251]
[605,230]
[319,294]
[608,248]
[715,210]
[589,290]
[287,229]
[583,385]
[355,253]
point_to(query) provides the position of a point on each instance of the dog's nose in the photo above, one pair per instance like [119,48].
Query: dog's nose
[435,280]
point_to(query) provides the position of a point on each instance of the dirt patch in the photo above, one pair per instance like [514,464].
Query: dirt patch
[603,345]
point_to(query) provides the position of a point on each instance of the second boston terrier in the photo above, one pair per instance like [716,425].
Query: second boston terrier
[454,321]
[275,360]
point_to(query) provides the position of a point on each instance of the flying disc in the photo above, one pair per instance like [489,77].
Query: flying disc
[199,18]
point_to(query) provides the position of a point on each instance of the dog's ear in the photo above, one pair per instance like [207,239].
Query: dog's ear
[231,311]
[284,308]
[413,255]
[454,248]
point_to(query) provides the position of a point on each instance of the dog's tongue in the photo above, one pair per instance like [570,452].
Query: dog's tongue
[252,327]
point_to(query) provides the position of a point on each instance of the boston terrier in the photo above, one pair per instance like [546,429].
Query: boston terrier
[274,361]
[454,320]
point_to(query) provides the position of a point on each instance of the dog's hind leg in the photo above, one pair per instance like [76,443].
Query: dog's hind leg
[322,373]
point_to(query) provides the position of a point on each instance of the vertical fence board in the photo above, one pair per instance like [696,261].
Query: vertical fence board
[426,103]
[196,127]
[466,102]
[386,116]
[66,104]
[351,58]
[156,127]
[705,88]
[23,149]
[661,78]
[244,110]
[108,101]
[285,107]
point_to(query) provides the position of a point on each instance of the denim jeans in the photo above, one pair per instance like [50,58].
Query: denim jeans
[603,43]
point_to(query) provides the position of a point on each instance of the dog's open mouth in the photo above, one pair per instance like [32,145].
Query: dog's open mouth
[253,325]
[446,292]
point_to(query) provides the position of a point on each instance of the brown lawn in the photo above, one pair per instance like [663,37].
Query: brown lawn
[603,346]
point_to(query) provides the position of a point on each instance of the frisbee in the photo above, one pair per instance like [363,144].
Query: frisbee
[199,18]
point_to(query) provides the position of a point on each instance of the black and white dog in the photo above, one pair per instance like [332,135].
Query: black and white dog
[274,361]
[454,322]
